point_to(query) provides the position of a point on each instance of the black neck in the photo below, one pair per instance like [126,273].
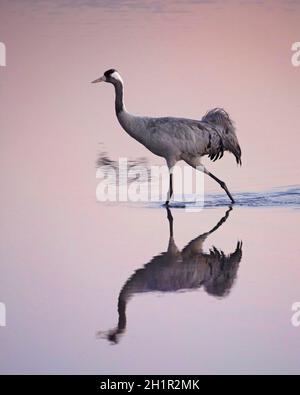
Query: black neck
[122,315]
[119,97]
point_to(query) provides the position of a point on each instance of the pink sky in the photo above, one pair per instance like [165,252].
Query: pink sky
[175,59]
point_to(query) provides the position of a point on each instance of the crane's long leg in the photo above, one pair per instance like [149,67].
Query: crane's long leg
[195,245]
[196,163]
[220,182]
[170,192]
[170,219]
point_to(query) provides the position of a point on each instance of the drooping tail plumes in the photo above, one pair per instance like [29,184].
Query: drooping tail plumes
[220,119]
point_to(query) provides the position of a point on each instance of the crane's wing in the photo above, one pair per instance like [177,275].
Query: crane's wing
[220,120]
[211,136]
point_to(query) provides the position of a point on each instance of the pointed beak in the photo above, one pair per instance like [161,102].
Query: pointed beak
[99,79]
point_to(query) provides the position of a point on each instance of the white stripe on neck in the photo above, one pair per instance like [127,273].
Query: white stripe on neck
[116,76]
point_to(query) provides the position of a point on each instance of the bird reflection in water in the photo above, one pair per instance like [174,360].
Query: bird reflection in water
[176,270]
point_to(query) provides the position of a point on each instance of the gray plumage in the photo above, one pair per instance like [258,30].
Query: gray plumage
[178,139]
[227,140]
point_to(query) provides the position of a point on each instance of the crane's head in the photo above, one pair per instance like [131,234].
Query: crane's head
[111,76]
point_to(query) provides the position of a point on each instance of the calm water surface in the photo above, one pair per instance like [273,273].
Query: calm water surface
[107,289]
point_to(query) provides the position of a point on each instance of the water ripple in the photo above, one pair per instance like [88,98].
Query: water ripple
[276,197]
[284,197]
